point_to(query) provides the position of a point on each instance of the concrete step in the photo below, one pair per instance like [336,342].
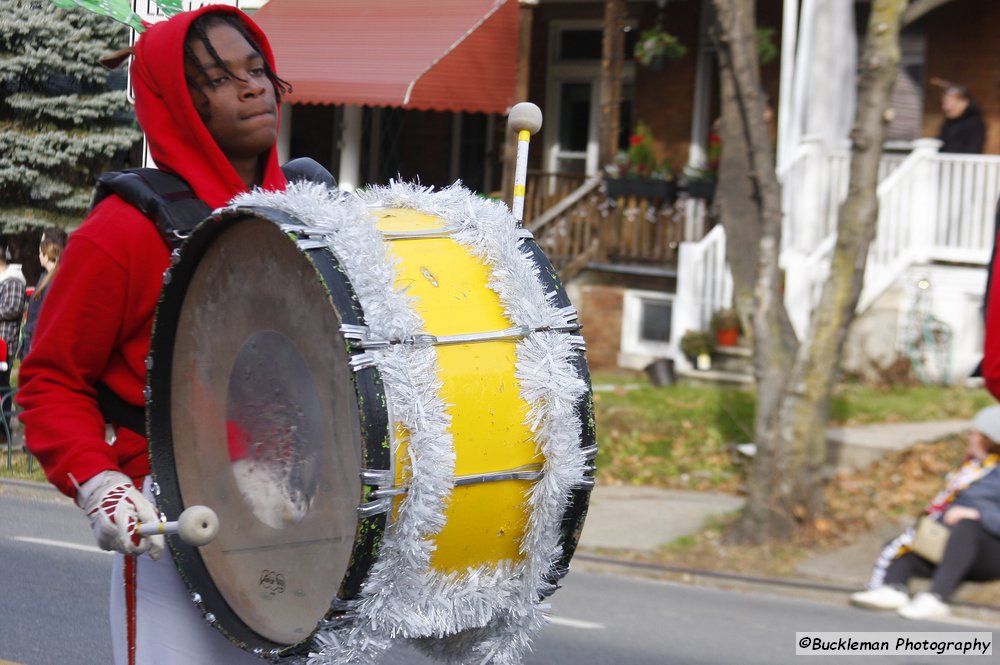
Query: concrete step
[710,377]
[736,359]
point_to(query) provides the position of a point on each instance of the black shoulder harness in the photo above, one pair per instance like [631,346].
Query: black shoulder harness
[168,201]
[171,204]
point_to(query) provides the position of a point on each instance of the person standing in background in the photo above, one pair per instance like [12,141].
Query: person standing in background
[963,130]
[12,285]
[49,250]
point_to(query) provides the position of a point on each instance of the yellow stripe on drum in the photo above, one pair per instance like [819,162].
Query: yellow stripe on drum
[485,523]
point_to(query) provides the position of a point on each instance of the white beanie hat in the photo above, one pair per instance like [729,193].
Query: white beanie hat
[987,421]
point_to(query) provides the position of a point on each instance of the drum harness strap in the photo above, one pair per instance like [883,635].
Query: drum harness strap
[170,203]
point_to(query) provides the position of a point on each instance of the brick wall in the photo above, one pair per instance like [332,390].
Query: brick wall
[600,310]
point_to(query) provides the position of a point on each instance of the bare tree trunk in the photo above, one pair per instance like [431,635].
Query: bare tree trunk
[747,145]
[795,381]
[611,80]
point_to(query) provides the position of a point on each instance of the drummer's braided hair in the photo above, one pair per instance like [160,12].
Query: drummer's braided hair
[199,29]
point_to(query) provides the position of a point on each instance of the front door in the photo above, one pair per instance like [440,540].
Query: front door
[573,98]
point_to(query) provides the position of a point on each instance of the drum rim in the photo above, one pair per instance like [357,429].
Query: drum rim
[375,450]
[571,525]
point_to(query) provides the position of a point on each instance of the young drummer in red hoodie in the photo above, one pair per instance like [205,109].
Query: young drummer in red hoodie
[207,98]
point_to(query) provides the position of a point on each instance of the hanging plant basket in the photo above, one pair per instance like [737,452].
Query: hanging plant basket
[657,63]
[657,46]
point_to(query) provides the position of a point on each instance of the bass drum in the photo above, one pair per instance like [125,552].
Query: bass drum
[265,405]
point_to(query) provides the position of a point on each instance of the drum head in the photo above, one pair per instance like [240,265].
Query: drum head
[262,426]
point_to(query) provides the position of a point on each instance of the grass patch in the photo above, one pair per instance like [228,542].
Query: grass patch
[682,436]
[18,468]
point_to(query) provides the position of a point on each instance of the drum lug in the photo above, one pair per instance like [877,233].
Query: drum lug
[362,361]
[585,483]
[353,333]
[377,477]
[376,507]
[590,452]
[309,243]
[380,479]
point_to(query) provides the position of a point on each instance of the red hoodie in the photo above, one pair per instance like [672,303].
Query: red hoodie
[991,345]
[98,315]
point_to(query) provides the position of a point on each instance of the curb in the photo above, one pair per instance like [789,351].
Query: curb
[723,579]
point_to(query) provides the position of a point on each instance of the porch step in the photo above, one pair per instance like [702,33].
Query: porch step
[736,359]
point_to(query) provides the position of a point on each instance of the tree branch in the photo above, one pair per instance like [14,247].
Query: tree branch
[918,8]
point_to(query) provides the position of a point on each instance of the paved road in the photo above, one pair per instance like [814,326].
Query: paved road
[54,610]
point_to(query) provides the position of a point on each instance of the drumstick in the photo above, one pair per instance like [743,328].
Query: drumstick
[196,526]
[526,119]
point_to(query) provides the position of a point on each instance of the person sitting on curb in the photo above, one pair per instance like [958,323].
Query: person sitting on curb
[970,505]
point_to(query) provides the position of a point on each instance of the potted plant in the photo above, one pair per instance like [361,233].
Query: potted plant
[656,48]
[697,346]
[725,324]
[638,172]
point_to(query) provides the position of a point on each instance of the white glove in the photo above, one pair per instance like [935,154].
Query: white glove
[116,508]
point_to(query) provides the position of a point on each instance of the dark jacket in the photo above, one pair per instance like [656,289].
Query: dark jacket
[964,134]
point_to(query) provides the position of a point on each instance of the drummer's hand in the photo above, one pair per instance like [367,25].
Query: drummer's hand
[115,508]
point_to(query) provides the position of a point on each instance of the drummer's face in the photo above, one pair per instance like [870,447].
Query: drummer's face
[238,106]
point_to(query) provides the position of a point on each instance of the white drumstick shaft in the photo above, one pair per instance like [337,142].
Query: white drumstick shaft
[157,529]
[520,174]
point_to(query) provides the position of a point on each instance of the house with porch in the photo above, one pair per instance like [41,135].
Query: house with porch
[419,91]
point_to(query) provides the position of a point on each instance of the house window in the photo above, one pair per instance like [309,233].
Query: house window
[586,44]
[655,316]
[646,326]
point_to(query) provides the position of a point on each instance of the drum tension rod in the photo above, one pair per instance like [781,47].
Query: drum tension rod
[385,490]
[358,336]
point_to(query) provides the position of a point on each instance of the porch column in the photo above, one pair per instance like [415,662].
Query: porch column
[611,80]
[789,34]
[924,222]
[349,175]
[285,134]
[526,16]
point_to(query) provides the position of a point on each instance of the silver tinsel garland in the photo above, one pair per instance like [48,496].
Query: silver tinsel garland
[486,614]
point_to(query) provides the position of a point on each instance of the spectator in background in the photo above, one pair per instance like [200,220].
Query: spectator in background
[970,506]
[49,250]
[12,284]
[963,130]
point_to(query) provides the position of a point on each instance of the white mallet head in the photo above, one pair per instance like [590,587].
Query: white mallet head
[525,115]
[198,525]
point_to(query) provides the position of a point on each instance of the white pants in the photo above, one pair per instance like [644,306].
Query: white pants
[168,628]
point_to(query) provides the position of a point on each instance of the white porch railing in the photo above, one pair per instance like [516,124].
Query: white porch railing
[931,207]
[704,285]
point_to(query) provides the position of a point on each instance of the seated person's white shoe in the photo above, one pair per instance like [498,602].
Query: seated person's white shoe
[881,598]
[925,606]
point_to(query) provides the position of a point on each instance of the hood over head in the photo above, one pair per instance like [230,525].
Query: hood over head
[177,137]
